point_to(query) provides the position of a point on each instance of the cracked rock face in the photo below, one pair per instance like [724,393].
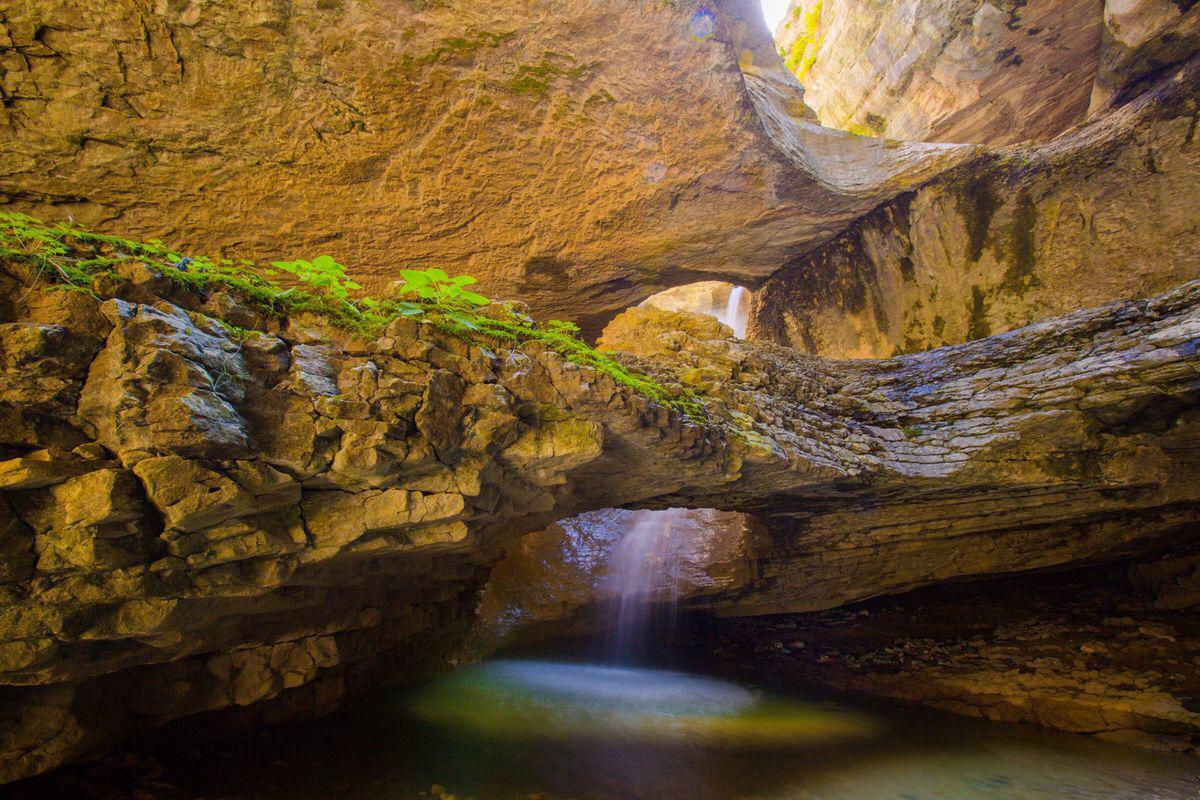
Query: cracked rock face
[578,156]
[195,521]
[1009,239]
[945,70]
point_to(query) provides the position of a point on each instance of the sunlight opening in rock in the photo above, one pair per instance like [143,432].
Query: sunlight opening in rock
[730,304]
[773,12]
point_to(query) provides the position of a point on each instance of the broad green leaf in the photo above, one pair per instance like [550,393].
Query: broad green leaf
[463,320]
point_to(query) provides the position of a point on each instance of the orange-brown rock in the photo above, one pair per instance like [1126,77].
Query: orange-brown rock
[257,521]
[579,158]
[576,157]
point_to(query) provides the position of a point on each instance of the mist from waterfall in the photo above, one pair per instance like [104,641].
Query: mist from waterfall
[644,583]
[737,311]
[643,567]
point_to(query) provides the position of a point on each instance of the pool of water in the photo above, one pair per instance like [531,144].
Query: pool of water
[512,730]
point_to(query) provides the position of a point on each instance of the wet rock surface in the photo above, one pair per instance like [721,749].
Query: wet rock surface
[200,520]
[1092,652]
[548,582]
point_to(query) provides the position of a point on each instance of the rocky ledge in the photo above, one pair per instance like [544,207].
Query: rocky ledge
[197,517]
[1109,652]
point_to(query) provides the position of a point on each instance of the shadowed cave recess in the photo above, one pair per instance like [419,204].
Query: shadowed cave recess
[600,400]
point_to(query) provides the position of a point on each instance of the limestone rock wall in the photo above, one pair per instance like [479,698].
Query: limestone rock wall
[945,70]
[1017,236]
[196,519]
[575,155]
[1143,39]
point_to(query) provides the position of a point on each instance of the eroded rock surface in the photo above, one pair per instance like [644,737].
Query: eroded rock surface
[1018,236]
[577,156]
[1090,652]
[585,156]
[199,519]
[544,581]
[1143,39]
[945,70]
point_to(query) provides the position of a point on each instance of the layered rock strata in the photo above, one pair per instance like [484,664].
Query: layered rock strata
[576,156]
[197,518]
[1021,235]
[579,158]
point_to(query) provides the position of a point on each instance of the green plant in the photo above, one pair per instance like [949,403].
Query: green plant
[322,272]
[803,53]
[434,284]
[67,256]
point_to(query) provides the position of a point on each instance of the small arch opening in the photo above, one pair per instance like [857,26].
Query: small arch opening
[728,302]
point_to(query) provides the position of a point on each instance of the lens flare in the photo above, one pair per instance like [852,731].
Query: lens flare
[703,25]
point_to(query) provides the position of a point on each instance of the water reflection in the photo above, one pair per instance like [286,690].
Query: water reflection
[536,699]
[517,731]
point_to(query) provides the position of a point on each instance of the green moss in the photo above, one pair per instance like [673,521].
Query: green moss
[601,97]
[457,46]
[69,257]
[803,53]
[977,324]
[877,123]
[976,202]
[536,78]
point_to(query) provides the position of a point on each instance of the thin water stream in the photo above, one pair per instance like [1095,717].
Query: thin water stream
[737,311]
[643,570]
[557,730]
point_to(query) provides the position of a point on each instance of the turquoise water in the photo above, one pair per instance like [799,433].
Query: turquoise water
[512,730]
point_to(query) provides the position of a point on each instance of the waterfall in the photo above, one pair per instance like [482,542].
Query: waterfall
[737,311]
[644,577]
[644,565]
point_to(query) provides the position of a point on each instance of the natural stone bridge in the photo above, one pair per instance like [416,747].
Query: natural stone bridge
[193,521]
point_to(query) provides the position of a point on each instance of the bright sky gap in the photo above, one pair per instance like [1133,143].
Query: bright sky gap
[773,11]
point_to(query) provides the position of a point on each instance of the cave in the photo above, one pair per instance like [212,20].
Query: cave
[599,400]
